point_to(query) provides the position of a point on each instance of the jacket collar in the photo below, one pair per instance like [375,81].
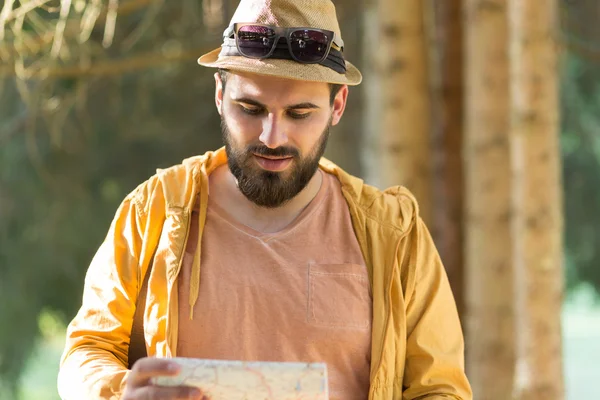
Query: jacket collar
[395,206]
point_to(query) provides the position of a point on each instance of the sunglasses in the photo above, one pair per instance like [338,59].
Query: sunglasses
[306,45]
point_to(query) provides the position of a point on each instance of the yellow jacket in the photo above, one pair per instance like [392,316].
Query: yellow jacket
[417,345]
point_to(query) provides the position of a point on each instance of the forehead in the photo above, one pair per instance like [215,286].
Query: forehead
[268,89]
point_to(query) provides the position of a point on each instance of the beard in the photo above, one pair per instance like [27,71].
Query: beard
[271,189]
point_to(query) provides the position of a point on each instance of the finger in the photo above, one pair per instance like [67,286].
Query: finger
[169,393]
[147,368]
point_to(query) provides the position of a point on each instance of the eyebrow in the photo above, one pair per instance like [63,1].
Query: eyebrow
[299,106]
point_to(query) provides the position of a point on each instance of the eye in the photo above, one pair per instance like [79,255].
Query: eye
[251,110]
[297,115]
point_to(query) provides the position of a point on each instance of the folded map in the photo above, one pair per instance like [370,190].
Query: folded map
[240,380]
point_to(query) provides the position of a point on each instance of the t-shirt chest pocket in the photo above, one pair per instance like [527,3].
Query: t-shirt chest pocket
[339,296]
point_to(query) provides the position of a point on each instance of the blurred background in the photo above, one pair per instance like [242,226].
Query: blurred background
[487,110]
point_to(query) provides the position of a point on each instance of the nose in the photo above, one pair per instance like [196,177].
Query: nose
[273,134]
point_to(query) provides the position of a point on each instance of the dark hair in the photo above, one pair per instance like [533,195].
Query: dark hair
[333,87]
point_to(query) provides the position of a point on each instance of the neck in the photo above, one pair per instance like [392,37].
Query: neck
[223,187]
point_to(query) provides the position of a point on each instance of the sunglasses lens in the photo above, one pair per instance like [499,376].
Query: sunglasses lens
[309,45]
[255,41]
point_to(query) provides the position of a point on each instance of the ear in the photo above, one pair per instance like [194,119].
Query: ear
[219,93]
[339,105]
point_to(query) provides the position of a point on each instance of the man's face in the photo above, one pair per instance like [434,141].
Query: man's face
[275,132]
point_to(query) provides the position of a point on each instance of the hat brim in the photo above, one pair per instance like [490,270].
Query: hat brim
[289,69]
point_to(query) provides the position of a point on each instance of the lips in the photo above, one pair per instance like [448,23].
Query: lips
[274,164]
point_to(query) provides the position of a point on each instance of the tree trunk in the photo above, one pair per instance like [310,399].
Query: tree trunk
[397,98]
[344,142]
[537,199]
[489,272]
[446,33]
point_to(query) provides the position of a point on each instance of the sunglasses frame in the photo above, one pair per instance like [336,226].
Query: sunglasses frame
[286,33]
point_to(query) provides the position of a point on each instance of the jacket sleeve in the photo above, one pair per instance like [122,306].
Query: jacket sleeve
[434,366]
[93,365]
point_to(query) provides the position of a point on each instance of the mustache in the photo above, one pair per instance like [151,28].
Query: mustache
[277,152]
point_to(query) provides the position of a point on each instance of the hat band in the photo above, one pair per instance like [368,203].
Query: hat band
[335,58]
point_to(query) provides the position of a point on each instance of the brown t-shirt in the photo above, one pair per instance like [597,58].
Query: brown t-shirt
[301,294]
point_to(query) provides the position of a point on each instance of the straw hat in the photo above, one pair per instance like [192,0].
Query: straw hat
[285,13]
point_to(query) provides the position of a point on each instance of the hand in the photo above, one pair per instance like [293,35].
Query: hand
[139,387]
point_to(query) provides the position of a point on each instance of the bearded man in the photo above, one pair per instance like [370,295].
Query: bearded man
[264,250]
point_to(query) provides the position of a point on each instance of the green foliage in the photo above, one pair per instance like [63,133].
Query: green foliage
[580,92]
[58,194]
[74,143]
